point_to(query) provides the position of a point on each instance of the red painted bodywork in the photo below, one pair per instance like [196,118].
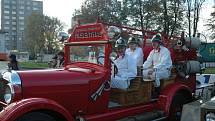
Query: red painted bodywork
[68,91]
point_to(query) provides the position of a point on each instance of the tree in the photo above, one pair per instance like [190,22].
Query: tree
[52,26]
[41,34]
[211,25]
[107,10]
[193,12]
[34,38]
[166,16]
[159,15]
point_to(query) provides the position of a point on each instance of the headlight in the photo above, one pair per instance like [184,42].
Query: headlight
[12,90]
[9,93]
[210,117]
[114,32]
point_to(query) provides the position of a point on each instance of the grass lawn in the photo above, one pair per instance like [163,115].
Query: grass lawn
[33,65]
[210,71]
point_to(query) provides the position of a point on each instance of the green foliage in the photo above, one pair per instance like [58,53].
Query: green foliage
[41,34]
[211,25]
[159,15]
[209,71]
[33,65]
[107,10]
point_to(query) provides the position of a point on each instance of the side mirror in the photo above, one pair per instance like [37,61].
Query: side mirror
[114,32]
[62,36]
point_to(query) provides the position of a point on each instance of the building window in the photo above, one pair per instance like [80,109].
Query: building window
[6,17]
[28,8]
[22,7]
[13,23]
[22,2]
[7,38]
[6,1]
[28,3]
[6,22]
[35,3]
[13,2]
[6,12]
[21,12]
[21,28]
[35,9]
[13,28]
[21,23]
[13,7]
[6,6]
[21,18]
[13,12]
[14,18]
[6,27]
[13,33]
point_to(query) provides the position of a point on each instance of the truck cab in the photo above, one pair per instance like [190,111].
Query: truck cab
[81,90]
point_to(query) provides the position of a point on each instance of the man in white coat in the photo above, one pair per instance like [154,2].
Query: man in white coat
[135,51]
[127,68]
[158,63]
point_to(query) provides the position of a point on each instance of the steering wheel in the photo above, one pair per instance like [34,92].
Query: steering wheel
[98,58]
[115,69]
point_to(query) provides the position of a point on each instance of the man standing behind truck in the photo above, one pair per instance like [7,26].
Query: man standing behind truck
[158,64]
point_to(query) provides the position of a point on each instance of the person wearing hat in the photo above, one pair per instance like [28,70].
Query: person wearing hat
[126,65]
[53,62]
[60,59]
[13,63]
[135,51]
[158,63]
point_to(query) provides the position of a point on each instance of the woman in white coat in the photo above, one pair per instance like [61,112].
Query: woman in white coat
[135,51]
[127,68]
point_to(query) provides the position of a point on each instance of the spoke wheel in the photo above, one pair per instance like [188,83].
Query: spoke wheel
[176,107]
[36,116]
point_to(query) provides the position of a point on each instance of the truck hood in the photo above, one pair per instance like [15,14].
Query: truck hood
[71,75]
[65,86]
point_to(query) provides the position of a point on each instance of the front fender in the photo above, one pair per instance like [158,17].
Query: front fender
[167,95]
[17,109]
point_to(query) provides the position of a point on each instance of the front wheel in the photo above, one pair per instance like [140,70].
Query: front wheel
[36,116]
[176,107]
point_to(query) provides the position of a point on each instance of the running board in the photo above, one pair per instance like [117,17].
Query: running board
[149,116]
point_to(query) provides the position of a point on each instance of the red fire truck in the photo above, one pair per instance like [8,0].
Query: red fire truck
[81,90]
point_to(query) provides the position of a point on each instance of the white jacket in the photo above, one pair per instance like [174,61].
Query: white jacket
[158,59]
[127,70]
[137,54]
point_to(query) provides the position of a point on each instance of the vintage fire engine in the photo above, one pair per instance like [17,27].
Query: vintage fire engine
[81,90]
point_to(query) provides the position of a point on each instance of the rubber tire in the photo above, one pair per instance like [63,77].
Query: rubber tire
[36,116]
[178,101]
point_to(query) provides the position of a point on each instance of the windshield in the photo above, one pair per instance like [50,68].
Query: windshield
[91,54]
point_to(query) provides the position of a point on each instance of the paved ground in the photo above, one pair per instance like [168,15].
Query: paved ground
[3,65]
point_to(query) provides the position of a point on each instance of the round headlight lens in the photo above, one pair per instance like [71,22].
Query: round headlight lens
[210,117]
[9,92]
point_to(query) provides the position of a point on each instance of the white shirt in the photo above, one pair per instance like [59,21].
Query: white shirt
[126,67]
[137,54]
[158,59]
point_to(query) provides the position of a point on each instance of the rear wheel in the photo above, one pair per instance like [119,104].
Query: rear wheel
[36,116]
[176,107]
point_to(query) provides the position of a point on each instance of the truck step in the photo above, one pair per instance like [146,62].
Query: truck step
[149,116]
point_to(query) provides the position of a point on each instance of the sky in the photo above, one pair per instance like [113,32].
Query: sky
[64,9]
